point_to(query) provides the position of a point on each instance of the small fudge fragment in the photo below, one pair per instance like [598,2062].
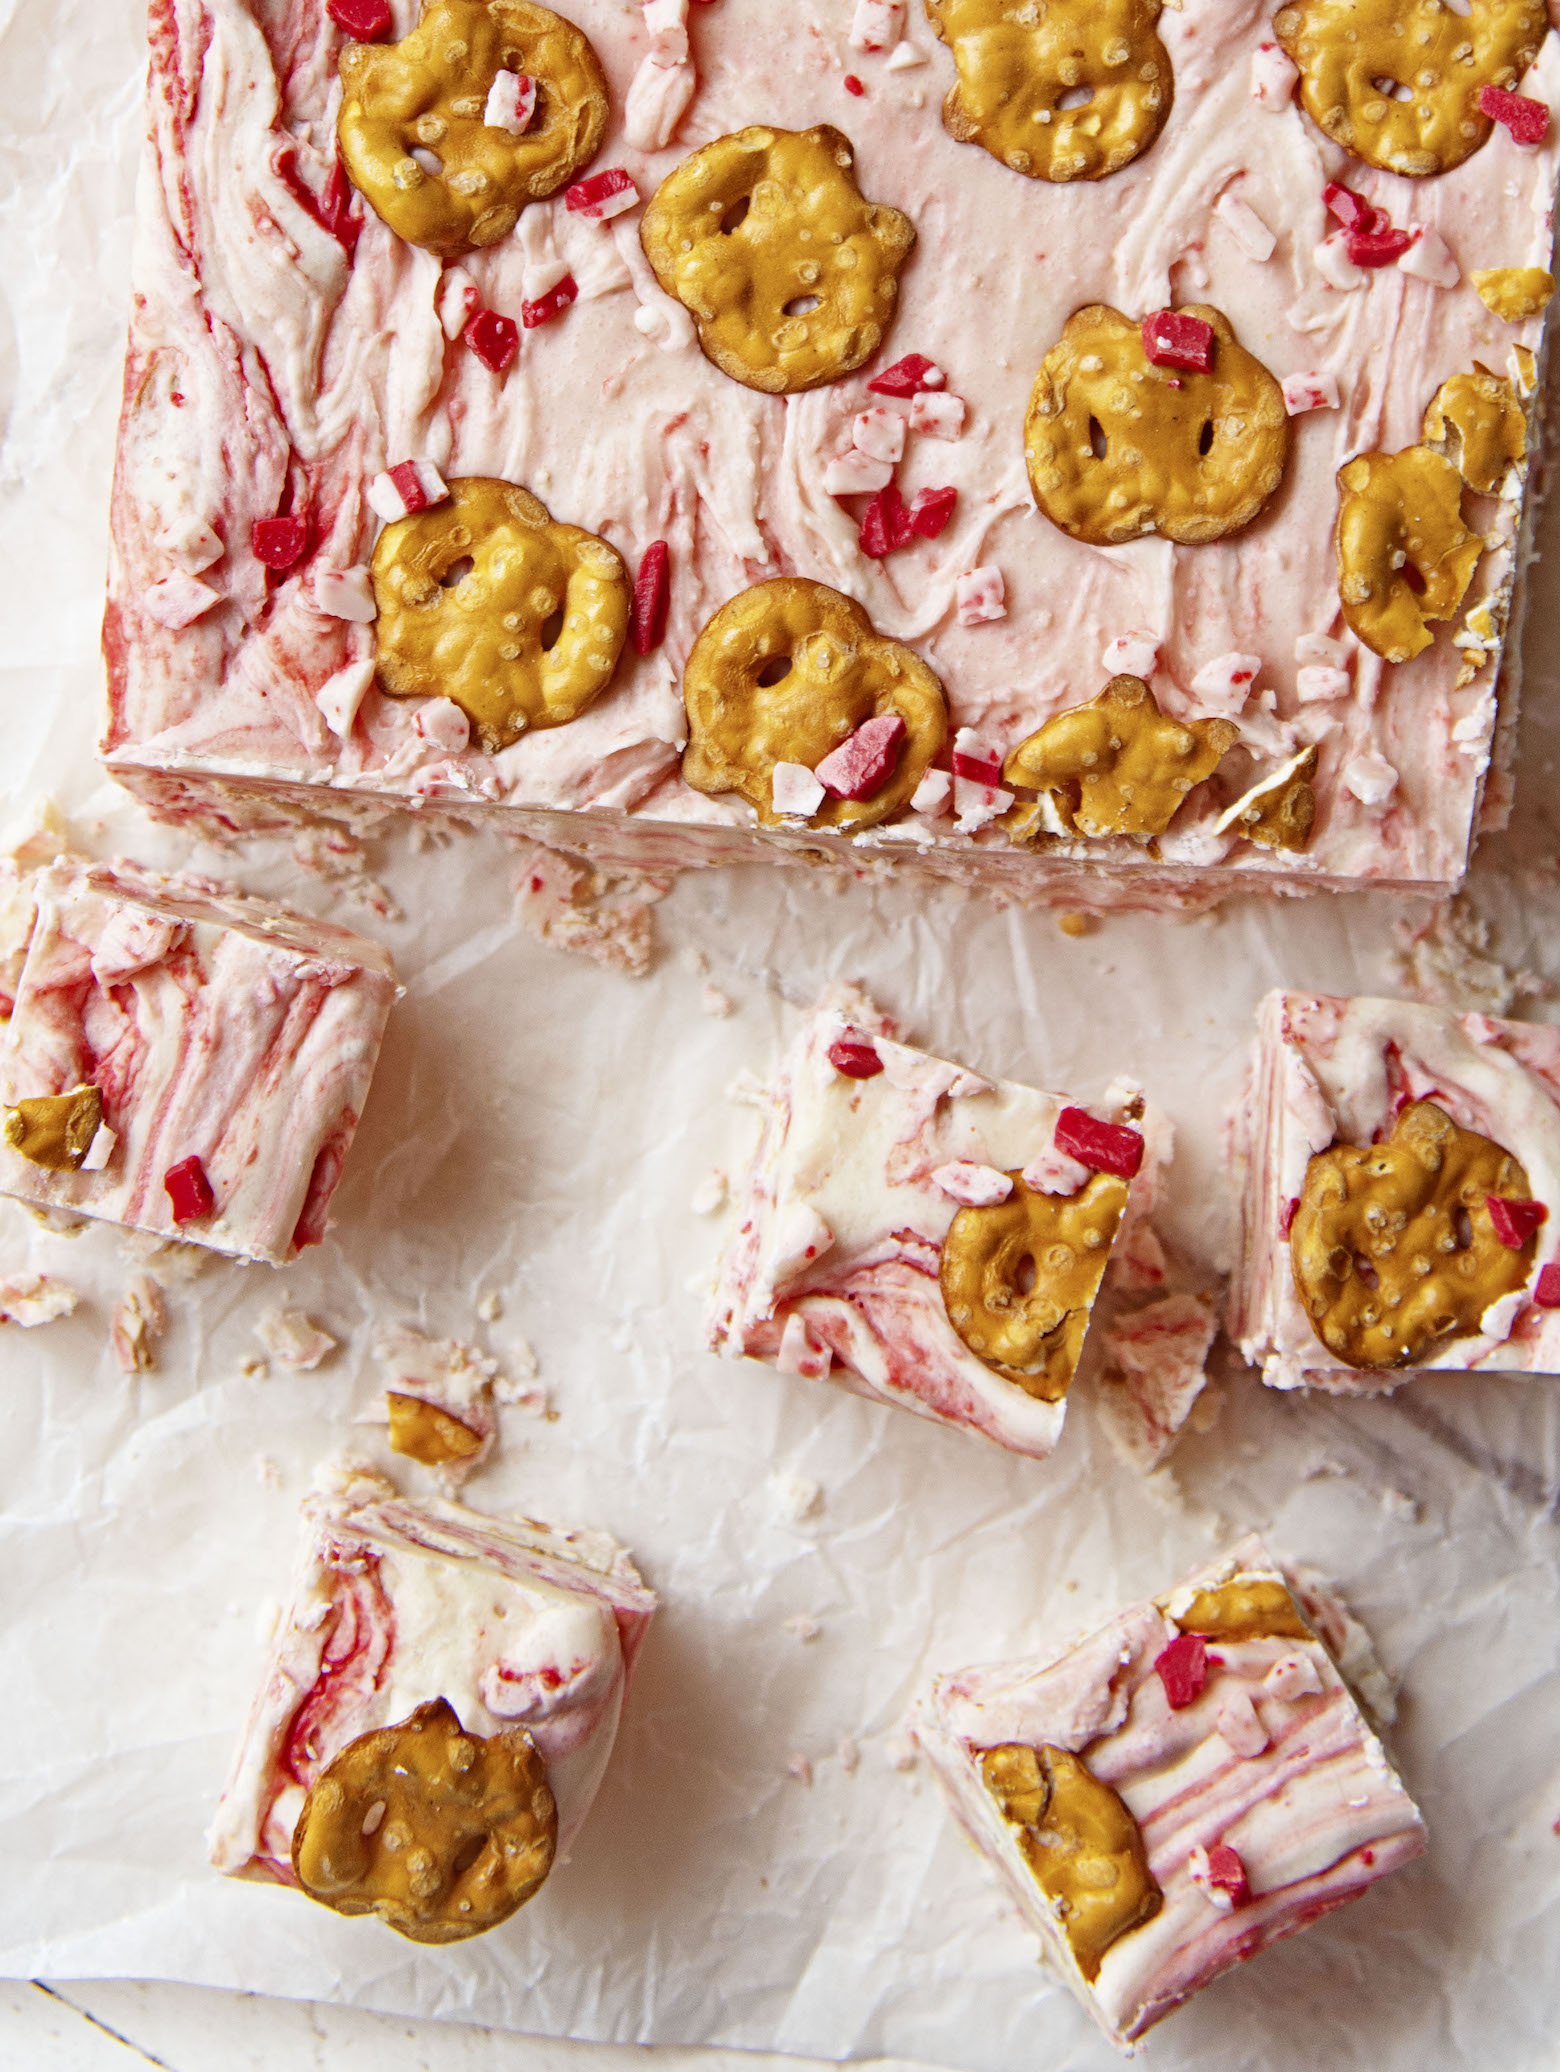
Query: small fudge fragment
[438,1711]
[1400,1194]
[1182,1788]
[922,1235]
[182,1059]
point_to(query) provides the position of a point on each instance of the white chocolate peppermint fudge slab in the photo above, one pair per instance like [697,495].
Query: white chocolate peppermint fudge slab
[1182,1788]
[287,349]
[182,1059]
[922,1235]
[511,1622]
[1425,1252]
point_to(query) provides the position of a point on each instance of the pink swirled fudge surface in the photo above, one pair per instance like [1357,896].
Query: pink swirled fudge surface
[510,1621]
[1329,1070]
[215,1026]
[267,360]
[1313,1809]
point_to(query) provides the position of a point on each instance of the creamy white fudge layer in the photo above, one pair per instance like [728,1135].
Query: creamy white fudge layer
[272,367]
[1270,1758]
[1331,1071]
[833,1270]
[512,1622]
[216,1028]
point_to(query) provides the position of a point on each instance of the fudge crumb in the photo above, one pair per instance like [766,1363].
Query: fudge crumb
[901,1753]
[799,1768]
[797,1496]
[1156,1373]
[710,1194]
[1397,1503]
[268,1613]
[804,1628]
[849,1755]
[693,961]
[1446,961]
[294,1340]
[491,1307]
[335,856]
[254,1369]
[715,1002]
[267,1473]
[31,1299]
[604,915]
[137,1324]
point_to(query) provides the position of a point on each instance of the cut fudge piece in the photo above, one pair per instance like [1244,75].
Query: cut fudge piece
[1399,1194]
[1215,596]
[922,1235]
[1179,1790]
[483,1640]
[181,1059]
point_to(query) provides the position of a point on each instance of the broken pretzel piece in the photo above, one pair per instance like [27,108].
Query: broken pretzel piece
[1404,555]
[1118,765]
[1476,421]
[423,1432]
[55,1131]
[1280,808]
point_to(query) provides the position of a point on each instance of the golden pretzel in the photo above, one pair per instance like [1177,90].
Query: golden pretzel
[1118,447]
[55,1131]
[1393,1245]
[1118,765]
[790,275]
[429,92]
[489,601]
[1436,58]
[1279,810]
[1259,1609]
[1019,1278]
[440,1833]
[1477,422]
[423,1432]
[1057,89]
[1079,1840]
[1514,292]
[784,673]
[1404,555]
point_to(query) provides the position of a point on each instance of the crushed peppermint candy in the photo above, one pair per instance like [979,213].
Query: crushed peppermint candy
[976,1186]
[511,103]
[1321,647]
[1546,1289]
[1224,684]
[1374,248]
[1131,655]
[367,20]
[1274,77]
[854,473]
[456,301]
[1515,1221]
[931,795]
[494,339]
[603,195]
[1351,209]
[1315,684]
[876,24]
[885,524]
[1173,339]
[652,595]
[1304,392]
[907,377]
[441,723]
[939,416]
[977,803]
[409,487]
[667,24]
[1052,1172]
[1429,258]
[1335,266]
[100,1150]
[1292,1677]
[1371,778]
[1246,227]
[1182,1668]
[981,595]
[1219,1873]
[179,599]
[340,696]
[1104,1147]
[551,304]
[1527,120]
[854,1057]
[345,593]
[189,1190]
[862,763]
[795,792]
[930,510]
[1239,1727]
[974,760]
[905,56]
[879,433]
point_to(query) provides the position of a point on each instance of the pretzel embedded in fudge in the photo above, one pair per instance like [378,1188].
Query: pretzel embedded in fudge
[413,129]
[1514,292]
[1476,421]
[1118,765]
[789,273]
[488,600]
[1397,82]
[1080,1841]
[1019,1278]
[783,675]
[1394,1246]
[1068,90]
[1404,555]
[1119,446]
[441,1833]
[1248,1608]
[1279,810]
[55,1131]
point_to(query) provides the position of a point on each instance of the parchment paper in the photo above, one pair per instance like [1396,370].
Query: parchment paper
[537,1131]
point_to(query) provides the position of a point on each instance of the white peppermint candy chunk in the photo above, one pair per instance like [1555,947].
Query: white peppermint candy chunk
[345,593]
[906,56]
[940,416]
[796,792]
[854,473]
[931,794]
[1291,1677]
[1371,778]
[801,1239]
[1238,1726]
[1247,228]
[798,1354]
[191,544]
[1224,684]
[442,723]
[658,95]
[1316,684]
[456,301]
[1304,392]
[1335,266]
[1320,647]
[667,24]
[981,595]
[339,697]
[1052,1172]
[876,24]
[977,804]
[413,485]
[1131,655]
[1429,258]
[100,1150]
[976,1186]
[540,276]
[880,434]
[179,600]
[511,103]
[1274,77]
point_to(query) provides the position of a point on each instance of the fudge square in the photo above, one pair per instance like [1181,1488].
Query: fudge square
[1129,511]
[490,1642]
[1399,1176]
[1179,1790]
[181,1059]
[922,1235]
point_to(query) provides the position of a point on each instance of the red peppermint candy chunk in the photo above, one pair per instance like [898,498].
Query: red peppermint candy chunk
[930,510]
[1527,120]
[855,1057]
[189,1190]
[1104,1147]
[1383,247]
[1171,339]
[1352,210]
[1546,1289]
[907,377]
[419,486]
[862,764]
[885,524]
[1227,1874]
[552,304]
[602,195]
[1515,1221]
[853,85]
[280,543]
[367,20]
[652,593]
[974,760]
[1182,1668]
[494,339]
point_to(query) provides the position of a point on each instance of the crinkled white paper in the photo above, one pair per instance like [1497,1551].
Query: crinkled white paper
[538,1131]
